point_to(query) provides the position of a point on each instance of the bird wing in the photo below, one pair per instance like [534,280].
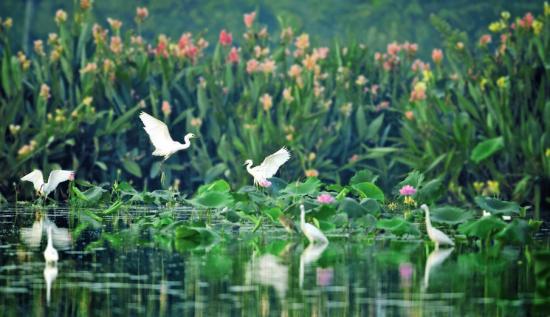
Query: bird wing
[271,164]
[441,237]
[56,177]
[36,178]
[157,130]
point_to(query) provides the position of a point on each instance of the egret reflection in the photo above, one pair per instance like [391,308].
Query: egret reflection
[50,274]
[310,254]
[32,236]
[436,258]
[268,270]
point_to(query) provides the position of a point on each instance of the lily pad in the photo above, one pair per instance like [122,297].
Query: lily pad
[397,226]
[497,206]
[213,199]
[516,232]
[309,187]
[352,208]
[369,190]
[482,228]
[450,215]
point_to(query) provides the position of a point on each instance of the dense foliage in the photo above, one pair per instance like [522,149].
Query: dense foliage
[476,118]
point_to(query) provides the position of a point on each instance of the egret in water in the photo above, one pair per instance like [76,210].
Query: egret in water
[312,233]
[56,177]
[50,254]
[160,137]
[268,168]
[435,235]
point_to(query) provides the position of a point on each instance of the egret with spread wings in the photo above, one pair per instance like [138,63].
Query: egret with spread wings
[269,166]
[160,137]
[56,177]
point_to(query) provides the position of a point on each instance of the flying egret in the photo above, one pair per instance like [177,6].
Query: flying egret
[435,235]
[269,166]
[50,254]
[312,233]
[56,177]
[160,137]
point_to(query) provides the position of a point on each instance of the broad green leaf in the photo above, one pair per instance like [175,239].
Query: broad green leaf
[450,215]
[497,206]
[214,199]
[397,226]
[486,148]
[369,190]
[132,168]
[482,228]
[309,187]
[352,208]
[362,176]
[516,232]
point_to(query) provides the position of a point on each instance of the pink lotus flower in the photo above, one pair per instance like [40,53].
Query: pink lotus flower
[406,270]
[265,183]
[325,199]
[393,48]
[527,21]
[484,40]
[324,276]
[407,190]
[233,56]
[252,66]
[437,56]
[225,38]
[249,19]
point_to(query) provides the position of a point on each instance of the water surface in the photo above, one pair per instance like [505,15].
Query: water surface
[115,267]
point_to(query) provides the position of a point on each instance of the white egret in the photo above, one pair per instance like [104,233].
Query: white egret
[269,166]
[312,233]
[310,254]
[50,274]
[56,177]
[435,258]
[50,254]
[160,137]
[435,235]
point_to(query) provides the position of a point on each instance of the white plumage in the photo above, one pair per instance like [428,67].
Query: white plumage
[435,235]
[50,254]
[269,166]
[312,233]
[160,137]
[50,274]
[56,177]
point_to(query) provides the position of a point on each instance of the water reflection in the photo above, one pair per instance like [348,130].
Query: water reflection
[436,258]
[131,272]
[310,254]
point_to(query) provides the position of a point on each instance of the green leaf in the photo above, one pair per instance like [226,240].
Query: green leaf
[397,226]
[214,199]
[516,232]
[273,213]
[132,168]
[369,190]
[352,208]
[497,206]
[450,215]
[362,176]
[217,186]
[486,148]
[309,187]
[482,228]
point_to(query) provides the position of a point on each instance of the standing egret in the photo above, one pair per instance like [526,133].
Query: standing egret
[435,235]
[50,254]
[312,233]
[56,177]
[269,166]
[160,137]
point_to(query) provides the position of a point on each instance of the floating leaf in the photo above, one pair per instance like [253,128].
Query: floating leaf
[309,187]
[217,186]
[486,148]
[273,213]
[369,190]
[516,232]
[450,215]
[213,199]
[397,226]
[352,208]
[497,206]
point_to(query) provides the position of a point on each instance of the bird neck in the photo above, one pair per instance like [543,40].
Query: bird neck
[302,217]
[249,166]
[186,142]
[428,221]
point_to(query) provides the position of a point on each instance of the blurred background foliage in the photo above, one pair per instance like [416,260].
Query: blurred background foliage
[374,23]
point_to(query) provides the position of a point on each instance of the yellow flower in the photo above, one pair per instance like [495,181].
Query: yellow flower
[87,101]
[302,42]
[392,206]
[546,8]
[361,80]
[482,83]
[312,173]
[312,156]
[493,187]
[547,153]
[478,186]
[409,201]
[502,82]
[8,23]
[45,91]
[196,122]
[310,61]
[287,95]
[114,23]
[505,15]
[427,75]
[497,26]
[39,47]
[60,16]
[537,27]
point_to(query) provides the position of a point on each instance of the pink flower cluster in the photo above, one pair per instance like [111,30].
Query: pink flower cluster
[325,199]
[265,183]
[407,190]
[225,38]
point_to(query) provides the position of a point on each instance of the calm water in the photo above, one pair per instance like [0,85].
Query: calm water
[115,267]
